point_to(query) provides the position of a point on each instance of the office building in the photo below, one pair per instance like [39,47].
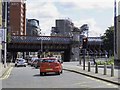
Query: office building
[32,27]
[13,19]
[17,18]
[63,27]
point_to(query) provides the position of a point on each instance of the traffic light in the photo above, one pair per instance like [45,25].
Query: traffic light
[85,41]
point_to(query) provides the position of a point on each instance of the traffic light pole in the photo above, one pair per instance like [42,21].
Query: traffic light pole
[84,52]
[85,40]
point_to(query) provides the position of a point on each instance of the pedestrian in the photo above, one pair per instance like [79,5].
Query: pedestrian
[94,61]
[2,60]
[106,54]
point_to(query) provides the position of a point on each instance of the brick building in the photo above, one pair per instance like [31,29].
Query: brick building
[17,18]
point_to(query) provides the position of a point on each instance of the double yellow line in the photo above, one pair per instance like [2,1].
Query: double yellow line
[6,74]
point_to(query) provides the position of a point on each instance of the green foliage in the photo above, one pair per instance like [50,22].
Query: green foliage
[108,39]
[8,38]
[109,62]
[101,63]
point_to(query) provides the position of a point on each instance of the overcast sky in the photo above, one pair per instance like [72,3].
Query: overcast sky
[98,14]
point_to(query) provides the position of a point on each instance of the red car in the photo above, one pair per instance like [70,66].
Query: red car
[50,64]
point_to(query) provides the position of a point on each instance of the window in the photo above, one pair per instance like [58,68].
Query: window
[14,3]
[49,60]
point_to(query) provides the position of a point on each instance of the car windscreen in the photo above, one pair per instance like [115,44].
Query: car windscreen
[33,59]
[49,60]
[21,60]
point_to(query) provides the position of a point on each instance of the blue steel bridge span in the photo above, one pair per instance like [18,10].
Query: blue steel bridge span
[33,43]
[44,43]
[21,43]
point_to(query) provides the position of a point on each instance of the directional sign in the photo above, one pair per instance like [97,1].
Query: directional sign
[2,35]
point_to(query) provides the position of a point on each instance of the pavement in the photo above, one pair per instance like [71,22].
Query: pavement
[3,69]
[77,68]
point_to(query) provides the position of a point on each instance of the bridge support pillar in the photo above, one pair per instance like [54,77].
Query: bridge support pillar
[75,51]
[75,54]
[14,56]
[23,54]
[67,55]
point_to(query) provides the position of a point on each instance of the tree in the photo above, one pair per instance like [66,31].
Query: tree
[108,39]
[8,38]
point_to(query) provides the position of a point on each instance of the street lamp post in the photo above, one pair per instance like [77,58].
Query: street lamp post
[115,31]
[100,46]
[41,48]
[5,35]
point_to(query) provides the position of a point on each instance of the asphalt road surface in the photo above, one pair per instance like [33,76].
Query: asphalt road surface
[29,77]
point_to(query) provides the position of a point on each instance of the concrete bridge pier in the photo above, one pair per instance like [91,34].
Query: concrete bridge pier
[67,55]
[75,53]
[14,56]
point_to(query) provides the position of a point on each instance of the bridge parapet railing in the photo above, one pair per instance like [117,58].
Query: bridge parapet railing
[38,39]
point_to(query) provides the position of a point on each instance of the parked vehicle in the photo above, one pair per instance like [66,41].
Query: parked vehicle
[28,60]
[36,63]
[20,62]
[50,64]
[32,60]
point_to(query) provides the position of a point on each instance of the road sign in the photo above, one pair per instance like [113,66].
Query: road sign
[2,35]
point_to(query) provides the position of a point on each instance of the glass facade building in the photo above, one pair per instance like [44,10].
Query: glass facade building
[32,27]
[63,28]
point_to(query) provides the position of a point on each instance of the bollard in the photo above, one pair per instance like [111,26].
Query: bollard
[89,66]
[80,62]
[112,70]
[105,69]
[96,68]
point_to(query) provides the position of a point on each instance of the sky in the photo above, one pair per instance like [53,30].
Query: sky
[98,14]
